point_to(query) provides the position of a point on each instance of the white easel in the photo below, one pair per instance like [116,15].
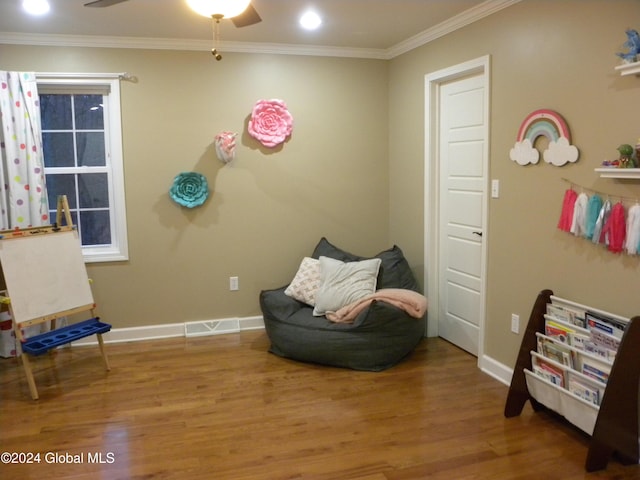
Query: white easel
[46,279]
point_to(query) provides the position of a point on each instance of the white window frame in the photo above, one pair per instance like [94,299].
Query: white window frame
[82,83]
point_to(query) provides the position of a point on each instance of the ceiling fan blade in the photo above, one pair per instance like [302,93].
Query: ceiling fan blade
[103,3]
[248,17]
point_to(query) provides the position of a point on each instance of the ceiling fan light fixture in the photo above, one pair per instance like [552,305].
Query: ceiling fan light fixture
[36,7]
[218,8]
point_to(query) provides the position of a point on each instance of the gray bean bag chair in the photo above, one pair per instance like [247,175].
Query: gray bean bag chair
[380,336]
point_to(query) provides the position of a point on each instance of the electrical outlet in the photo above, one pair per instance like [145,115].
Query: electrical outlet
[515,323]
[233,284]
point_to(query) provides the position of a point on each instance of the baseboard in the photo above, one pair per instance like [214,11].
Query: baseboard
[495,369]
[488,365]
[172,330]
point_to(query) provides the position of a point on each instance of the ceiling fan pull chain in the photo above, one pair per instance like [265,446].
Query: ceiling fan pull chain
[216,38]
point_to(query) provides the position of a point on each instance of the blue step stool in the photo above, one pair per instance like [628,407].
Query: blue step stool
[44,342]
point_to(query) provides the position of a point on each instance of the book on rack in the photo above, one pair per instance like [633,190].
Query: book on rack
[584,388]
[572,316]
[595,369]
[600,351]
[602,339]
[554,351]
[548,371]
[607,325]
[557,330]
[602,344]
[578,340]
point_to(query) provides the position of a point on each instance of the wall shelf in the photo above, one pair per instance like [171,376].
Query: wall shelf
[629,68]
[613,172]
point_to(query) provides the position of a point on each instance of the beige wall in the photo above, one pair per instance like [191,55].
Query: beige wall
[268,208]
[544,54]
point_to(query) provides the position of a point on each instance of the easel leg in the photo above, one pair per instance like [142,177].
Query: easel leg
[24,357]
[103,352]
[27,370]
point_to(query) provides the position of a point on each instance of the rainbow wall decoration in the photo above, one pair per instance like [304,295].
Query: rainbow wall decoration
[551,125]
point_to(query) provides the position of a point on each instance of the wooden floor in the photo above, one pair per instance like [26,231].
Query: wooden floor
[221,407]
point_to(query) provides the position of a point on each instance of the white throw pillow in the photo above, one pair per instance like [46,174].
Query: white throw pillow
[306,282]
[344,283]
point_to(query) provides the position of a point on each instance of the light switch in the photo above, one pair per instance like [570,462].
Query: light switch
[495,188]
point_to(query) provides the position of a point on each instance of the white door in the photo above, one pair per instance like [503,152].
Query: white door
[462,165]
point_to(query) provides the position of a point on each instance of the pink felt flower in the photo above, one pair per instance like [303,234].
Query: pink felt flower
[270,122]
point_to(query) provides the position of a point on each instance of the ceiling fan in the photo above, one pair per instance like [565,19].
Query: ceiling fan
[248,17]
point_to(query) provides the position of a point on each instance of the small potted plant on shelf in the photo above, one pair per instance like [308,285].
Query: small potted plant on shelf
[625,158]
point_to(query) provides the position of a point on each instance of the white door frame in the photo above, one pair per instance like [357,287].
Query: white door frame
[431,171]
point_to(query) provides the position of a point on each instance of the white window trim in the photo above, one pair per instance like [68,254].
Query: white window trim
[119,251]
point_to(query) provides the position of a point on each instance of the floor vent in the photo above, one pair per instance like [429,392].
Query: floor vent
[211,327]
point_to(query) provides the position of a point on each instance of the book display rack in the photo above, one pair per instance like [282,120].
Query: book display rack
[583,364]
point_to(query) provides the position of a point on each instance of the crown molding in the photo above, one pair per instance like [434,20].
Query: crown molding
[454,23]
[312,50]
[146,43]
[95,41]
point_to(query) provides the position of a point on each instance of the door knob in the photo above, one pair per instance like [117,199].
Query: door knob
[477,233]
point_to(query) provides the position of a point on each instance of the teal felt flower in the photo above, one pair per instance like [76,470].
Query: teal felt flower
[189,189]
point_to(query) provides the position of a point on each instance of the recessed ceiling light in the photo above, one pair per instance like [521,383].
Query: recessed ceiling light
[36,7]
[310,20]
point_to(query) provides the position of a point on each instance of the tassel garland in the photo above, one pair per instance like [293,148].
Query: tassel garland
[579,225]
[603,217]
[633,230]
[615,229]
[568,204]
[593,209]
[601,222]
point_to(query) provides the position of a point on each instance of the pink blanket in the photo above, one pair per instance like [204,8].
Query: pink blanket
[411,302]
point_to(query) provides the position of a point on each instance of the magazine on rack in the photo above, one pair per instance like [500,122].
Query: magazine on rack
[572,316]
[557,329]
[595,369]
[606,325]
[555,351]
[547,370]
[591,391]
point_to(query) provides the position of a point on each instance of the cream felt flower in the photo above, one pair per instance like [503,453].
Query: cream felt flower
[225,143]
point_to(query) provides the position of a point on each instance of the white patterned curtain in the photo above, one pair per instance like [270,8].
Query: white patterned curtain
[23,194]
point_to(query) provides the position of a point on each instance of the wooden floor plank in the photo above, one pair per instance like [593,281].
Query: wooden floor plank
[222,407]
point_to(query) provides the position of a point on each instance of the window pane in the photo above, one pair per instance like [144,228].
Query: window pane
[78,118]
[58,149]
[93,190]
[89,112]
[63,184]
[95,228]
[56,112]
[90,149]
